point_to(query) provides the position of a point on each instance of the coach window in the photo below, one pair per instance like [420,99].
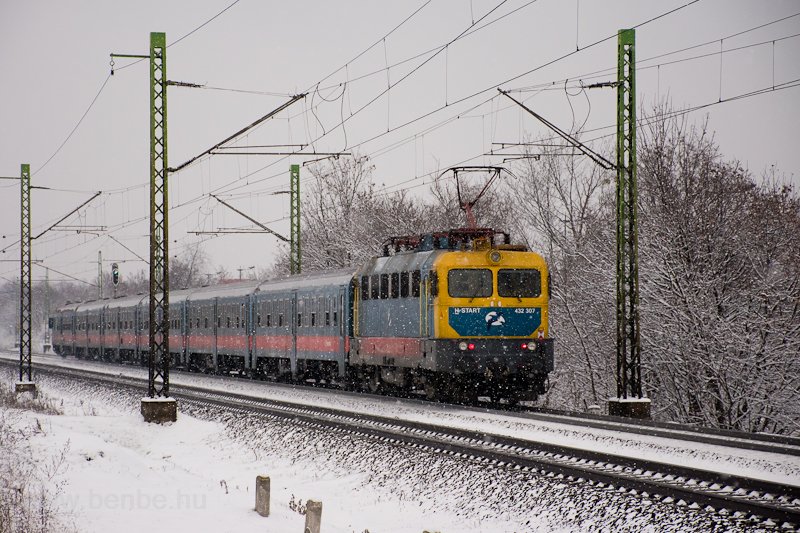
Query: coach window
[299,320]
[280,320]
[403,284]
[394,292]
[313,319]
[327,318]
[228,322]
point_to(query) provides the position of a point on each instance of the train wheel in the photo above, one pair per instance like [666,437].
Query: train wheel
[430,391]
[374,383]
[465,394]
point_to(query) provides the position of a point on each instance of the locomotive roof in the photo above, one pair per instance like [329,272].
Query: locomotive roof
[400,262]
[227,290]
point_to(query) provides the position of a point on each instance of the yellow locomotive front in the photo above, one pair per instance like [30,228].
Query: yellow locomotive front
[489,309]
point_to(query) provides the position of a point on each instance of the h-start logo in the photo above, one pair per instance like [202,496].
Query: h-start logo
[494,319]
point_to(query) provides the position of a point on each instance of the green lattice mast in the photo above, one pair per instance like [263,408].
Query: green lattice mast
[294,220]
[159,221]
[629,373]
[25,275]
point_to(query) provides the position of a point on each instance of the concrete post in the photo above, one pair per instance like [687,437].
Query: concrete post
[313,516]
[159,410]
[21,387]
[629,407]
[262,495]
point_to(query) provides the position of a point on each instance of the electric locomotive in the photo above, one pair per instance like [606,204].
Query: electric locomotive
[458,314]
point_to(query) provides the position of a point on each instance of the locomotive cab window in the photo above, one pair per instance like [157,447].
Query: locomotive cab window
[373,287]
[384,291]
[404,285]
[365,287]
[469,283]
[519,283]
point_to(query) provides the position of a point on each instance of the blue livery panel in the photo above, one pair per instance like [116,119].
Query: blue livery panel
[495,321]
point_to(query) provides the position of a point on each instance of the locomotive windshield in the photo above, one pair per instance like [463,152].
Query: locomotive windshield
[519,283]
[469,283]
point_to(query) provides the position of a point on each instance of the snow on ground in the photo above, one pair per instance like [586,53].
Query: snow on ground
[755,464]
[123,474]
[198,475]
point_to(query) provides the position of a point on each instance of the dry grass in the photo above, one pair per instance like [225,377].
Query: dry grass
[9,399]
[30,485]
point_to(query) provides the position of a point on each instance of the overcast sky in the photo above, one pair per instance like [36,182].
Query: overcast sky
[442,107]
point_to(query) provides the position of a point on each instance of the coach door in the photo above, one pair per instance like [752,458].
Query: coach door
[217,324]
[73,329]
[248,329]
[293,326]
[117,331]
[340,322]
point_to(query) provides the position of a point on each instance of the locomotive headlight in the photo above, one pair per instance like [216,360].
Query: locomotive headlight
[495,256]
[462,346]
[532,346]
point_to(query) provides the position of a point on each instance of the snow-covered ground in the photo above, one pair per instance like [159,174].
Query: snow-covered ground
[198,474]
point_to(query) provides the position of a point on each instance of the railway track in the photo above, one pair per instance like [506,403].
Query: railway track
[732,439]
[746,499]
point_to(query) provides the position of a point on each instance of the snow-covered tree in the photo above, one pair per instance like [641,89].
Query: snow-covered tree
[564,211]
[720,292]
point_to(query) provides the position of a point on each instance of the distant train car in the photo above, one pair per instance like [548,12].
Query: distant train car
[454,315]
